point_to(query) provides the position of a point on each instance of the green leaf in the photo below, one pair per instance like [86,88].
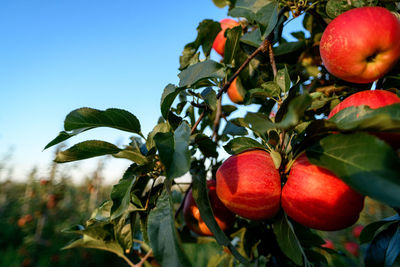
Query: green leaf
[206,145]
[362,161]
[283,79]
[364,118]
[288,241]
[261,123]
[85,150]
[210,98]
[89,242]
[240,144]
[206,33]
[384,249]
[267,17]
[174,151]
[252,38]
[121,195]
[200,71]
[84,119]
[200,195]
[232,44]
[233,129]
[167,98]
[135,156]
[369,231]
[162,127]
[112,117]
[287,48]
[247,8]
[164,240]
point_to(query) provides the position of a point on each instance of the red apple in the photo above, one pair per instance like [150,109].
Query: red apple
[374,99]
[220,40]
[361,45]
[352,248]
[233,92]
[224,217]
[357,230]
[328,244]
[313,196]
[249,185]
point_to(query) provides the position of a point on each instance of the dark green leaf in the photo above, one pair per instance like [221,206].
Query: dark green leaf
[174,151]
[261,123]
[232,44]
[363,161]
[287,240]
[200,71]
[85,150]
[369,231]
[84,119]
[247,8]
[121,195]
[289,47]
[241,144]
[232,129]
[267,17]
[167,98]
[252,38]
[162,127]
[378,251]
[164,239]
[206,145]
[112,117]
[210,97]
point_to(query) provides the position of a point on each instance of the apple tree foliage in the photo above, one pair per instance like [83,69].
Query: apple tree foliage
[288,94]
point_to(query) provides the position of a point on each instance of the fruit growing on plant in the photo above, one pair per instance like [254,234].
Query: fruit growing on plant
[361,45]
[357,230]
[374,99]
[220,40]
[328,244]
[249,185]
[313,196]
[352,248]
[224,217]
[234,94]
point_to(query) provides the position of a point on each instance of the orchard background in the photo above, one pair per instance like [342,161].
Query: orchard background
[285,96]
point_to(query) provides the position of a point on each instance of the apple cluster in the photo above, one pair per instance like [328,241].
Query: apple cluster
[355,47]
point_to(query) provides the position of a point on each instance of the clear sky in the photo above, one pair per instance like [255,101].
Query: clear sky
[56,56]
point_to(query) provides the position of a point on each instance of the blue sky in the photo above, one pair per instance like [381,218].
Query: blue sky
[56,56]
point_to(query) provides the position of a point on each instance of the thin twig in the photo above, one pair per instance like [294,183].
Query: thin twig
[197,122]
[144,258]
[272,60]
[263,47]
[217,119]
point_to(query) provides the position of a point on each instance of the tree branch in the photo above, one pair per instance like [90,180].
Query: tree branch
[198,121]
